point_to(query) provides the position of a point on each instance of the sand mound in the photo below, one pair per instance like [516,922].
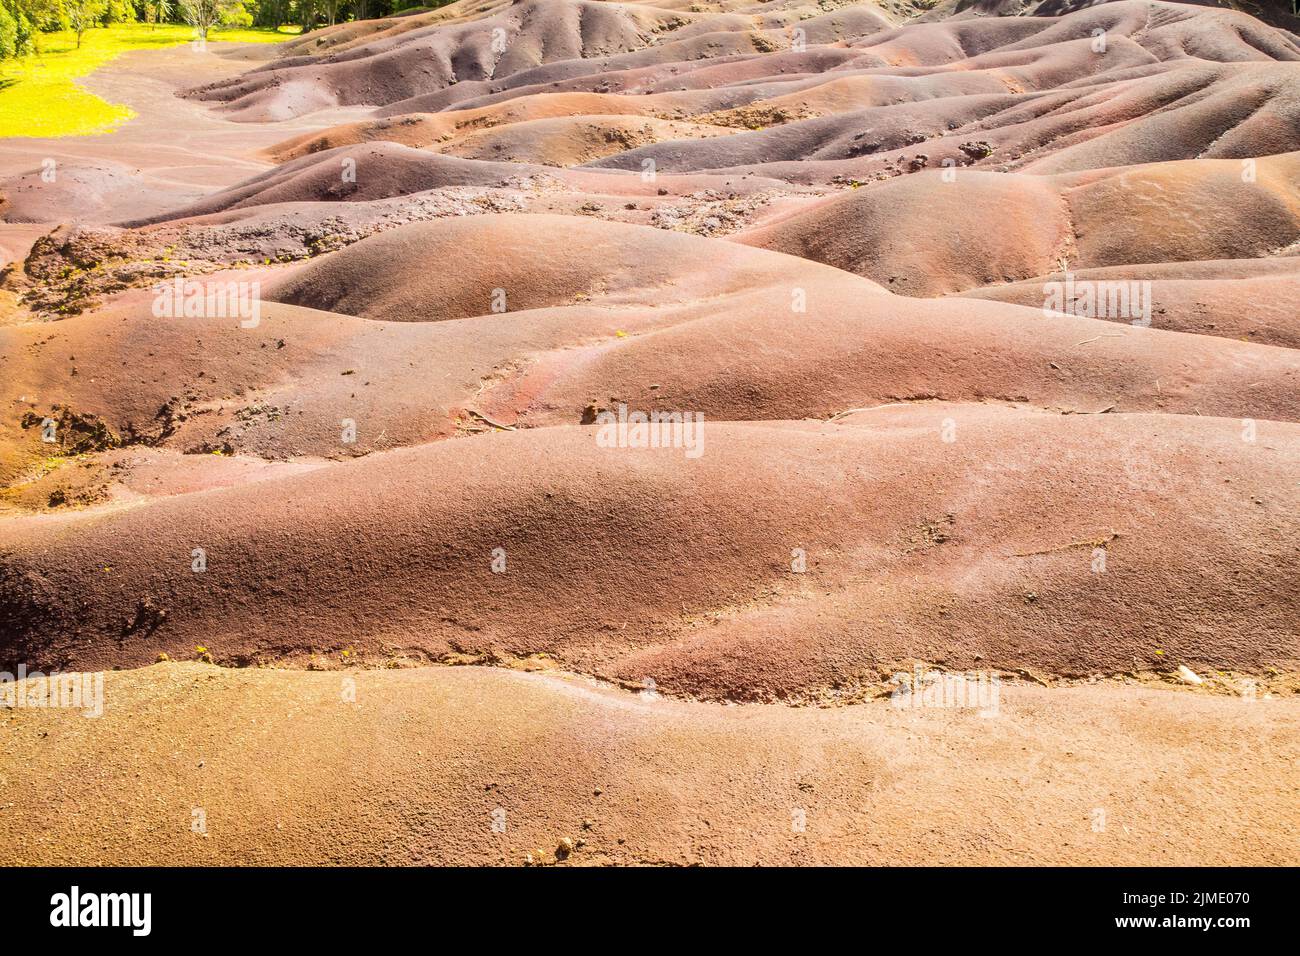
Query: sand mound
[399,64]
[524,43]
[353,174]
[96,191]
[1136,81]
[973,554]
[593,314]
[928,235]
[425,129]
[1247,299]
[1163,82]
[515,263]
[955,120]
[571,141]
[693,317]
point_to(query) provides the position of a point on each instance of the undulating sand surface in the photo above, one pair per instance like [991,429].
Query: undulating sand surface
[980,328]
[418,764]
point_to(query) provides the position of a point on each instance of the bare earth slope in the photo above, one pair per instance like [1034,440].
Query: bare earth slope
[930,552]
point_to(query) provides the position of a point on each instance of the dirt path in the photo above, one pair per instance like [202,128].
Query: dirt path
[173,151]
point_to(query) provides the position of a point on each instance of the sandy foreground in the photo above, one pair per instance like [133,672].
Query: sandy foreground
[368,584]
[286,770]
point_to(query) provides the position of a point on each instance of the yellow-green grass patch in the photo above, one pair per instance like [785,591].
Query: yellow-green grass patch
[39,95]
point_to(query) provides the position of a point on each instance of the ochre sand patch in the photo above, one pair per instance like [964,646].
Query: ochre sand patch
[286,771]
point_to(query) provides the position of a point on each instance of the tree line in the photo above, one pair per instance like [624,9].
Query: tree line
[22,22]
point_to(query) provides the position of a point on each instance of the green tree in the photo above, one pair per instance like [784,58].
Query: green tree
[28,37]
[82,15]
[117,11]
[8,35]
[30,17]
[203,15]
[159,11]
[305,11]
[272,13]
